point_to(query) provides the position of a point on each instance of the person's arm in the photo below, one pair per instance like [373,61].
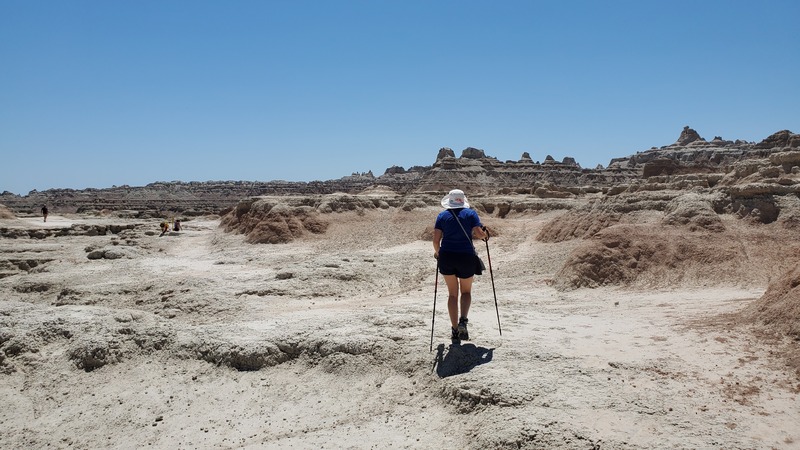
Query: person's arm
[437,242]
[478,230]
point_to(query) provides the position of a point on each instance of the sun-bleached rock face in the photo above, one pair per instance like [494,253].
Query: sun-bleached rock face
[693,154]
[474,171]
[764,190]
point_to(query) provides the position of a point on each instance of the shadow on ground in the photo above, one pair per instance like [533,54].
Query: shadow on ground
[460,358]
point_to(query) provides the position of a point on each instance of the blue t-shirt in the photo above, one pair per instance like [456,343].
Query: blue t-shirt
[453,238]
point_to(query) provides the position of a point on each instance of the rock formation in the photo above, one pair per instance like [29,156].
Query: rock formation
[270,221]
[445,152]
[473,171]
[687,137]
[473,153]
[692,154]
[5,213]
[779,308]
[781,139]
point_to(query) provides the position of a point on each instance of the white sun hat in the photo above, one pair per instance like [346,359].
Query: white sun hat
[455,199]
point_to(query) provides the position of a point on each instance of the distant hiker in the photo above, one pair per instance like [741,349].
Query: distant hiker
[164,228]
[176,226]
[44,212]
[456,257]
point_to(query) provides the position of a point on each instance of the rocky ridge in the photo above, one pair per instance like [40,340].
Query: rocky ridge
[693,154]
[473,171]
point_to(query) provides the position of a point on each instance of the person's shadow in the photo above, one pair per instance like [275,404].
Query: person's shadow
[460,358]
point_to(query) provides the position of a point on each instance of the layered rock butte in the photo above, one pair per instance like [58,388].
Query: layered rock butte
[690,162]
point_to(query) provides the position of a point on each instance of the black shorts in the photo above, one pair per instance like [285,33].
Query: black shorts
[462,265]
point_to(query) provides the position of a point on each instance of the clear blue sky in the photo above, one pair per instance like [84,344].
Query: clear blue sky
[102,93]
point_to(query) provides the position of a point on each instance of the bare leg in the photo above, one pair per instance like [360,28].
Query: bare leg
[452,298]
[466,295]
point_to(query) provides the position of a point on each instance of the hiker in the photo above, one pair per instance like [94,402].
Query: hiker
[44,212]
[164,228]
[177,225]
[456,257]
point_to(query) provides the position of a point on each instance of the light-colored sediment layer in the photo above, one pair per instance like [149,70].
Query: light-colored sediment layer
[197,340]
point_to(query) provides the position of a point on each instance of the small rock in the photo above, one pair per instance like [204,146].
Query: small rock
[96,254]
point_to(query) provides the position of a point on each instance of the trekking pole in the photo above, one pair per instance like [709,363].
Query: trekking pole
[435,287]
[491,275]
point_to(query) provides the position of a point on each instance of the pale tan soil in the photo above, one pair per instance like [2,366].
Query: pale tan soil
[199,340]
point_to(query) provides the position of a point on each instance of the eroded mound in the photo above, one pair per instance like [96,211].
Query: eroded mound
[693,210]
[779,308]
[625,254]
[583,223]
[658,255]
[278,220]
[5,213]
[269,221]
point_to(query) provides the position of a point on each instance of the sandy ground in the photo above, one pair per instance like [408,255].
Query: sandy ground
[198,340]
